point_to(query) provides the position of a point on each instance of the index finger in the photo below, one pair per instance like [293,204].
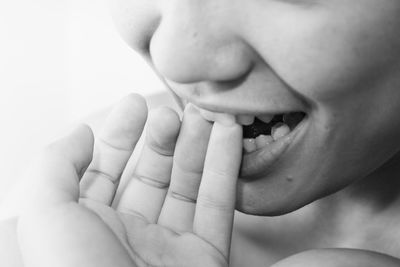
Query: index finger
[217,194]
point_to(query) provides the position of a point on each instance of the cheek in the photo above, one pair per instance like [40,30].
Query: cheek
[325,56]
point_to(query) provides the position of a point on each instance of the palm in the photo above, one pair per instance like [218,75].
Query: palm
[155,245]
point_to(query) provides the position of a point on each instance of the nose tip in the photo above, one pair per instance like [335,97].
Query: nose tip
[188,48]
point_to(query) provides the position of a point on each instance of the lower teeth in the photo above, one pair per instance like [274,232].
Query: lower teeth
[277,127]
[249,145]
[260,134]
[278,131]
[263,140]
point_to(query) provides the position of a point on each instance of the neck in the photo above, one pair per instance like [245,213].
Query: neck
[379,191]
[368,200]
[347,216]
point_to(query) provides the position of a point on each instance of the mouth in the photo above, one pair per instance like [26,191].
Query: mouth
[266,137]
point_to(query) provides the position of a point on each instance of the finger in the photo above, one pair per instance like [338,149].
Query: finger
[179,206]
[147,188]
[113,149]
[54,176]
[216,200]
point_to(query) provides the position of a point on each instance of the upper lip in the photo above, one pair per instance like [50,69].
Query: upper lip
[208,97]
[221,108]
[218,108]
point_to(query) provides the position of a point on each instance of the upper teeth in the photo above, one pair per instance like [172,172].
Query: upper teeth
[215,116]
[245,119]
[266,118]
[240,119]
[249,119]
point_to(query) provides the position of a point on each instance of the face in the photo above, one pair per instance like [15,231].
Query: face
[337,61]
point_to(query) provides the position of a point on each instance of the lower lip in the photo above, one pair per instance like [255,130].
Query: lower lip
[256,164]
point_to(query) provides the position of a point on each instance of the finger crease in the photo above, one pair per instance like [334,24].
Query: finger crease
[152,182]
[161,151]
[182,197]
[114,146]
[133,213]
[104,175]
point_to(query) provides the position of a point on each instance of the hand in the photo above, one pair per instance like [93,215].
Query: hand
[177,209]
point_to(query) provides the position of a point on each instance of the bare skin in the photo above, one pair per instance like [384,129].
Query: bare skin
[336,60]
[278,238]
[141,230]
[363,216]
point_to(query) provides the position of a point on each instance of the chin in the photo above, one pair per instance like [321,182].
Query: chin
[274,196]
[269,211]
[256,203]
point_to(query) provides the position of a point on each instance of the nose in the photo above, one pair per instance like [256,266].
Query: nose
[195,41]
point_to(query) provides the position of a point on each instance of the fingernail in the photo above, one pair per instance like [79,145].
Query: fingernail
[226,119]
[190,107]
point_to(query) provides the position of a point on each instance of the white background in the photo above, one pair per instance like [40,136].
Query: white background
[59,61]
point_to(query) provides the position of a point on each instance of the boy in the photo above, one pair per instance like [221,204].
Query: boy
[314,86]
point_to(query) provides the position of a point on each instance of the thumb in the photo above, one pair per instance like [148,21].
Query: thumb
[54,175]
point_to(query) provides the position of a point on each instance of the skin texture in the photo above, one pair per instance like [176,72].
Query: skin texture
[336,60]
[68,208]
[70,223]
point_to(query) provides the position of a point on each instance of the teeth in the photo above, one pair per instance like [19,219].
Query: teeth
[292,119]
[249,145]
[265,118]
[279,130]
[245,119]
[263,140]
